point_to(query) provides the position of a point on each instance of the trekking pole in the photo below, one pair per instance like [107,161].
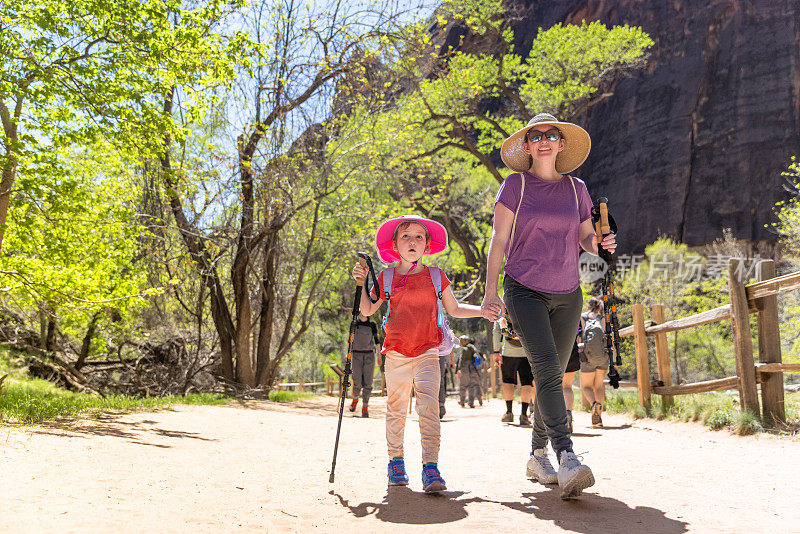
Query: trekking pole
[605,225]
[347,369]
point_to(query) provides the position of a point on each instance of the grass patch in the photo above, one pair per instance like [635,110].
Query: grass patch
[747,423]
[716,410]
[720,419]
[30,401]
[288,396]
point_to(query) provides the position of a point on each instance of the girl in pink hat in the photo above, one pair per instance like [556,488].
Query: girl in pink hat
[413,334]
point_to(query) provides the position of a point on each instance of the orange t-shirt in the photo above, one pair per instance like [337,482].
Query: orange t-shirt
[411,328]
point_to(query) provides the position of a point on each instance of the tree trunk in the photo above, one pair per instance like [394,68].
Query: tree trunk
[241,263]
[87,341]
[10,160]
[267,310]
[204,263]
[9,172]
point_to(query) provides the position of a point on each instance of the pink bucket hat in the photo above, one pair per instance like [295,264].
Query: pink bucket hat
[384,237]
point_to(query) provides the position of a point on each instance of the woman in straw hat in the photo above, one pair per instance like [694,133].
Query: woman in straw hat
[541,217]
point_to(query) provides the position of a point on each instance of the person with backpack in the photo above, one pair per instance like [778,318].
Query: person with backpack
[469,368]
[416,297]
[542,215]
[445,362]
[365,339]
[510,356]
[594,360]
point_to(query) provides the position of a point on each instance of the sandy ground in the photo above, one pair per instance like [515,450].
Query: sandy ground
[263,467]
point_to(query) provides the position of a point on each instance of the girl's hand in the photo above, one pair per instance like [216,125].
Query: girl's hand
[359,273]
[609,243]
[492,307]
[498,359]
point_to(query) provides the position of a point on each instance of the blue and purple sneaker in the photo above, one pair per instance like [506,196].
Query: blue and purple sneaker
[397,472]
[432,480]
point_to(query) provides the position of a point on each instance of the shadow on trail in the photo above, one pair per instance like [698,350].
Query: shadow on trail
[590,513]
[403,505]
[105,424]
[599,431]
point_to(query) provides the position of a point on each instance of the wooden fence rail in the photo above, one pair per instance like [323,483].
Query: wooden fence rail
[330,385]
[759,297]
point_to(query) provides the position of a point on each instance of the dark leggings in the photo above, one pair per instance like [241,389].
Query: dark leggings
[546,324]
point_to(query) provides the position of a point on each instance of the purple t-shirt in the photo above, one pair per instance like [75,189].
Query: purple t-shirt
[545,248]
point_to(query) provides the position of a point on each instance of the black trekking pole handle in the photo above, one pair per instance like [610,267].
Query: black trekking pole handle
[605,225]
[370,274]
[347,369]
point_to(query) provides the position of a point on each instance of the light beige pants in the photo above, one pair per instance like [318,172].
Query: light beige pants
[423,373]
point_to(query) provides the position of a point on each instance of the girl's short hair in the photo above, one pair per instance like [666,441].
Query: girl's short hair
[594,304]
[403,226]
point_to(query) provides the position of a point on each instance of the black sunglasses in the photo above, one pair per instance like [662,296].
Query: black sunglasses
[534,136]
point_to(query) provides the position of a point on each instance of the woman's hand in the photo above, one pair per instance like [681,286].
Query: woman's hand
[609,243]
[492,307]
[498,358]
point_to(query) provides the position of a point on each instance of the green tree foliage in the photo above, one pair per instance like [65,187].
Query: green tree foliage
[72,245]
[670,274]
[788,229]
[73,71]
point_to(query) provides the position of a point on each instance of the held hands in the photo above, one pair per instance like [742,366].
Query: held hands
[609,243]
[492,307]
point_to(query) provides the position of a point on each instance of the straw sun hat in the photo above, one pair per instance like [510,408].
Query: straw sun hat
[577,144]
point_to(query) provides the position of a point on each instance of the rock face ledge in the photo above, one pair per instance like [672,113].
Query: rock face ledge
[697,141]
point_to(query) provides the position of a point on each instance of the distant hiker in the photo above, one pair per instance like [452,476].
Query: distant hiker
[416,296]
[469,365]
[363,362]
[445,362]
[541,216]
[594,361]
[513,362]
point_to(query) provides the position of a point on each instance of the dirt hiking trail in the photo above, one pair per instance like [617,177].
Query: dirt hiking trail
[263,467]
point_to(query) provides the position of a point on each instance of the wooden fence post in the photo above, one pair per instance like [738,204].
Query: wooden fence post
[769,349]
[662,356]
[301,386]
[642,360]
[329,386]
[742,340]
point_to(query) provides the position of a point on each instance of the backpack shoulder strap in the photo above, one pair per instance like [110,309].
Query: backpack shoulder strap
[436,278]
[519,204]
[576,193]
[388,274]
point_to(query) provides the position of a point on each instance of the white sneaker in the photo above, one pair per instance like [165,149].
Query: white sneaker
[539,467]
[573,477]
